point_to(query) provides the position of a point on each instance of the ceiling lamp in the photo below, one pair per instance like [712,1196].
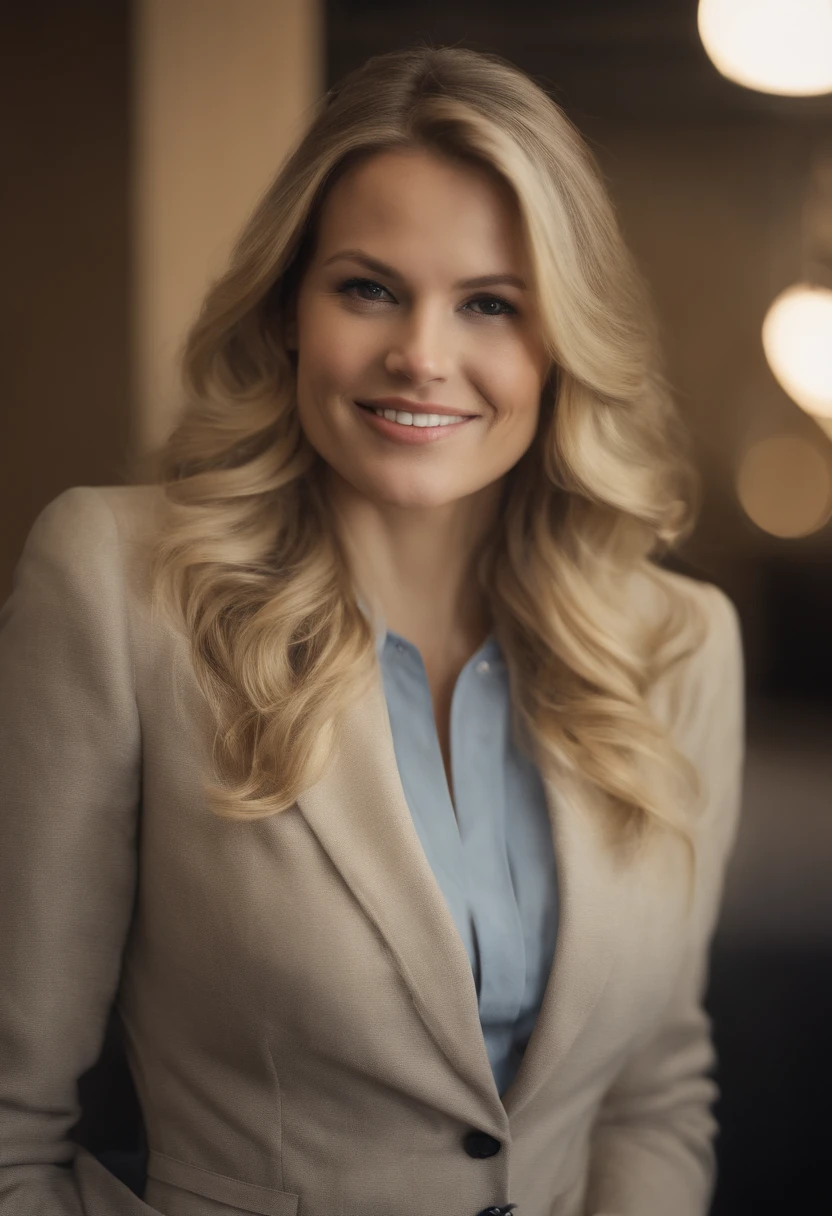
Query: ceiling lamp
[775,46]
[797,339]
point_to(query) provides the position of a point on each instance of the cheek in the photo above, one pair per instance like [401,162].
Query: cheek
[327,358]
[330,367]
[511,381]
[334,351]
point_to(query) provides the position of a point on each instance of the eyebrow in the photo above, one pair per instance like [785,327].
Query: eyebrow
[483,280]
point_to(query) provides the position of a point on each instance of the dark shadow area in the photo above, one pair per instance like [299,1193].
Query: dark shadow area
[111,1124]
[772,1009]
[797,594]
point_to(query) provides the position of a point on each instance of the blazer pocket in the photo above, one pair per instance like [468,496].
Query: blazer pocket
[230,1195]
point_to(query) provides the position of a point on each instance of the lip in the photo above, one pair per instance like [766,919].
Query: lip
[414,407]
[399,432]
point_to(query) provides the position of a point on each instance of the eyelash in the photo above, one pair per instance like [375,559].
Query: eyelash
[355,282]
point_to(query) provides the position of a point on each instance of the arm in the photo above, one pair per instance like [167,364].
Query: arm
[69,795]
[652,1147]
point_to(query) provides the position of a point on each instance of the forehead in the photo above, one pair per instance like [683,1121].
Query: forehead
[416,201]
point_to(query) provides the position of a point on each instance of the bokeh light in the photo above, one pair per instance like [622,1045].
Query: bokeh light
[797,339]
[776,46]
[784,484]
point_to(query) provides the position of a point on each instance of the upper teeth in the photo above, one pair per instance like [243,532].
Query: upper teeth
[408,419]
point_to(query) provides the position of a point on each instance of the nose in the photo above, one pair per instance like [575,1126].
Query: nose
[419,348]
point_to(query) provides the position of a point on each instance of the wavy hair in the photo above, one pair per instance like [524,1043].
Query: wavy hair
[247,560]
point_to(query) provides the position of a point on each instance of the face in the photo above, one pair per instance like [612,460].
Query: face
[388,308]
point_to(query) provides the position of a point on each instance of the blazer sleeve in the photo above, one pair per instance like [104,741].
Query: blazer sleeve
[652,1147]
[69,794]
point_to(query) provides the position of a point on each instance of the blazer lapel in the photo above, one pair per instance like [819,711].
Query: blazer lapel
[591,898]
[359,813]
[613,905]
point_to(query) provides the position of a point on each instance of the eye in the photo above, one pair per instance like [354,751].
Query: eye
[510,310]
[371,293]
[353,285]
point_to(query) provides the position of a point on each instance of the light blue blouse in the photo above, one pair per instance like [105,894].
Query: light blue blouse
[494,860]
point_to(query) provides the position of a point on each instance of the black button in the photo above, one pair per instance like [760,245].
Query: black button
[480,1144]
[503,1211]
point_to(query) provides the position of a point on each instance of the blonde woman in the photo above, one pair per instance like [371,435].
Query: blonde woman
[367,761]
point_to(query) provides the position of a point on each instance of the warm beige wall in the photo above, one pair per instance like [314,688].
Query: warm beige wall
[221,89]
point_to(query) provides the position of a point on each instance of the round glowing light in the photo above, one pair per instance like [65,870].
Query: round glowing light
[785,486]
[825,424]
[797,339]
[776,46]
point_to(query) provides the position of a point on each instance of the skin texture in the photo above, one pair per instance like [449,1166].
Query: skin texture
[411,516]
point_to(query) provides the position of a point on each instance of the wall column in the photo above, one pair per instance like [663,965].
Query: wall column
[220,91]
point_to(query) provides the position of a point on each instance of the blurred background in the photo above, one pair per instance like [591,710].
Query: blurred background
[139,135]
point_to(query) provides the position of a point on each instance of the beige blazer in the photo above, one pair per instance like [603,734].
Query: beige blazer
[300,1013]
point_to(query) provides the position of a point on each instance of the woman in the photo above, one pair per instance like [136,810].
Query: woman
[407,522]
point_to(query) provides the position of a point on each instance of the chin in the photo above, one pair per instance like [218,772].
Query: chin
[396,494]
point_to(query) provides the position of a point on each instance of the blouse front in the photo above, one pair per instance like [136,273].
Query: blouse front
[493,859]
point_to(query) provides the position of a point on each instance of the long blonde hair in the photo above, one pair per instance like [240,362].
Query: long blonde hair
[247,561]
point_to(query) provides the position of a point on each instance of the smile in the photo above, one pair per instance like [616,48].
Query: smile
[411,418]
[410,427]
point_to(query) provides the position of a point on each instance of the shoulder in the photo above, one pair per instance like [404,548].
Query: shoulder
[711,653]
[705,615]
[71,594]
[700,691]
[90,542]
[87,512]
[87,519]
[701,699]
[702,652]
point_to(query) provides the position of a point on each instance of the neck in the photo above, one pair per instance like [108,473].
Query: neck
[415,565]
